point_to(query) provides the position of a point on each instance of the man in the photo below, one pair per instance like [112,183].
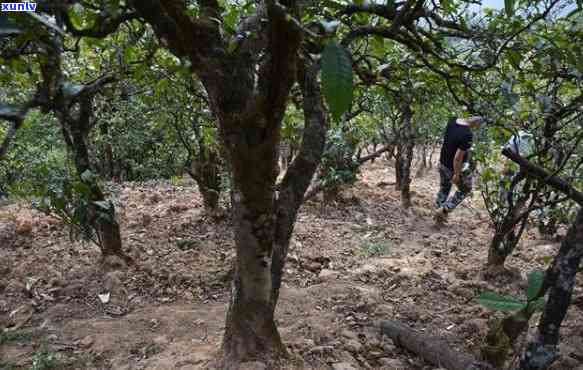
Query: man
[454,164]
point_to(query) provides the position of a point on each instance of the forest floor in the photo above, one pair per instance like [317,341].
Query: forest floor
[351,264]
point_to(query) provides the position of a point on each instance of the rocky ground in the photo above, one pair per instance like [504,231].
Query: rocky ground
[351,264]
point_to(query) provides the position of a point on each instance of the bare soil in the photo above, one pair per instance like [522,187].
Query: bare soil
[351,264]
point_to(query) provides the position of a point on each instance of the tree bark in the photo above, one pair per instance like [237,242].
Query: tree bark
[251,136]
[398,159]
[406,176]
[432,350]
[509,232]
[249,114]
[299,175]
[560,276]
[539,173]
[206,171]
[250,331]
[559,282]
[76,126]
[496,257]
[405,151]
[76,133]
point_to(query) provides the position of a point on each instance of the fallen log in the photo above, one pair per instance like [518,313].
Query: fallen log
[433,350]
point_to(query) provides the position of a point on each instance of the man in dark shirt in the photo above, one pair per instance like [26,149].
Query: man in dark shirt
[454,164]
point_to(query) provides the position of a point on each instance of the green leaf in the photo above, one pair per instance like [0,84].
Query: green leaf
[535,282]
[547,259]
[87,176]
[495,301]
[337,79]
[82,188]
[515,58]
[509,7]
[537,306]
[59,204]
[445,4]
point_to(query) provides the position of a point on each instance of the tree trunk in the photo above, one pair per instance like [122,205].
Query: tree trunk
[423,166]
[504,243]
[559,281]
[431,152]
[496,254]
[299,174]
[398,169]
[76,135]
[405,157]
[111,239]
[250,331]
[406,176]
[206,171]
[507,235]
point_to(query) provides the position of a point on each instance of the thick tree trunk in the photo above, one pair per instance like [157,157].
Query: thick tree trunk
[248,90]
[250,331]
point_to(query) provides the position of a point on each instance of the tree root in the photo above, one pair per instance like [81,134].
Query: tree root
[433,350]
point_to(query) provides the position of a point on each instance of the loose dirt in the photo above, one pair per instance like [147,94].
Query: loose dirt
[351,264]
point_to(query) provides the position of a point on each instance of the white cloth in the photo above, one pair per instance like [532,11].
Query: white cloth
[521,144]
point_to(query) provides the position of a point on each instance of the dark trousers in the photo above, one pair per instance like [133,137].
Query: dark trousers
[463,189]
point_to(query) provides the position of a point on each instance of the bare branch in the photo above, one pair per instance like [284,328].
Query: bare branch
[534,171]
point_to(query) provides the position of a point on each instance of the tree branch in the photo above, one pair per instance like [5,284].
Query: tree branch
[537,172]
[300,172]
[15,115]
[198,39]
[278,73]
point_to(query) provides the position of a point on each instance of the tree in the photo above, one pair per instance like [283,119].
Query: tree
[262,58]
[560,277]
[72,105]
[540,100]
[260,47]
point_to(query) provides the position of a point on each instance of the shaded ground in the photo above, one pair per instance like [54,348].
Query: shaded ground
[350,265]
